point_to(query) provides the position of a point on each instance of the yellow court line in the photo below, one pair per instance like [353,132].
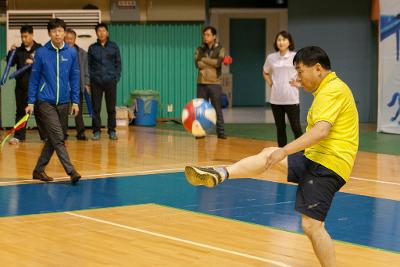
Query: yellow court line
[197,244]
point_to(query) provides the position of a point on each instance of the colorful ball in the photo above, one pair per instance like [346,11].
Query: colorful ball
[199,117]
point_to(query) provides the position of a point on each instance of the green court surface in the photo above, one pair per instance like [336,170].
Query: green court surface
[370,140]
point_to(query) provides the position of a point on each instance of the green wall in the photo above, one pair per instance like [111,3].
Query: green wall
[249,55]
[3,44]
[154,56]
[158,57]
[2,39]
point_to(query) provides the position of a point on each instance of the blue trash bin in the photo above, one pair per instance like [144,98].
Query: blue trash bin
[143,118]
[146,107]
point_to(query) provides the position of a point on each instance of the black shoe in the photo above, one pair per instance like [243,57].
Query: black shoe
[222,136]
[42,176]
[199,137]
[75,177]
[81,137]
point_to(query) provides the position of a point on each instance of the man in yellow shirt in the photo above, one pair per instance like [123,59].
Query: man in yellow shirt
[330,145]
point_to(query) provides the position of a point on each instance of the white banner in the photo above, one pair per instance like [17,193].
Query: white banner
[389,67]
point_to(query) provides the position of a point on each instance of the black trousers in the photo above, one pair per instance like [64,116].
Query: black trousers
[110,91]
[213,93]
[80,125]
[293,113]
[56,117]
[21,99]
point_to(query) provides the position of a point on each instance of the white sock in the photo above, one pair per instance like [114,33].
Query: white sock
[223,172]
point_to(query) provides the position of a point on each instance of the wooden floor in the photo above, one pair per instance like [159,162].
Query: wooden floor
[154,235]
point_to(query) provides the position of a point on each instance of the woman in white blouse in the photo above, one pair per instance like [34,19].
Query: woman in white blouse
[280,75]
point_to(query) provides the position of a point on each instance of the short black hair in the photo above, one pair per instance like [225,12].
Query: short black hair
[211,28]
[312,55]
[69,30]
[26,28]
[56,23]
[101,25]
[285,35]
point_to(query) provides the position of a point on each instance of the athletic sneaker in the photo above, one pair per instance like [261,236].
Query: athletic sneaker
[96,136]
[14,141]
[202,176]
[113,135]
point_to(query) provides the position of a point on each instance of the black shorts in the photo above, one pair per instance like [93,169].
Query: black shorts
[317,186]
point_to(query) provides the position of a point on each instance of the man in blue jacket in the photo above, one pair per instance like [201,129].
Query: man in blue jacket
[53,85]
[105,71]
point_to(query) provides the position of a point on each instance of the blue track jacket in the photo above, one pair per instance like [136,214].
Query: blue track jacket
[55,76]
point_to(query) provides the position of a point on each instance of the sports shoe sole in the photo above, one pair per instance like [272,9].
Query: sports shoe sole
[197,177]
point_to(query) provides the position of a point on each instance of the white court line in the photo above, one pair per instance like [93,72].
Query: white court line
[374,181]
[277,263]
[100,175]
[162,171]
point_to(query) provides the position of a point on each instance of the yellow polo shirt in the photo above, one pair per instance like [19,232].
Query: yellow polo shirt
[334,103]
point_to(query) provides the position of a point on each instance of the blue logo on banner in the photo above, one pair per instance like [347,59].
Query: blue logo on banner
[391,25]
[392,102]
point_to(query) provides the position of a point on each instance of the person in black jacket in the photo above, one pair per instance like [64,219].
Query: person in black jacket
[104,62]
[24,55]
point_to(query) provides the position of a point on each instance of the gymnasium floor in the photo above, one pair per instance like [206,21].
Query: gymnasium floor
[135,208]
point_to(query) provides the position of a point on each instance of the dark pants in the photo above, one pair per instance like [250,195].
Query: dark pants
[80,125]
[110,91]
[293,113]
[21,99]
[213,93]
[317,185]
[56,117]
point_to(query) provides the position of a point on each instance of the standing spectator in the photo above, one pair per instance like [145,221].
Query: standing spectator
[105,71]
[280,74]
[54,83]
[208,59]
[24,55]
[70,39]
